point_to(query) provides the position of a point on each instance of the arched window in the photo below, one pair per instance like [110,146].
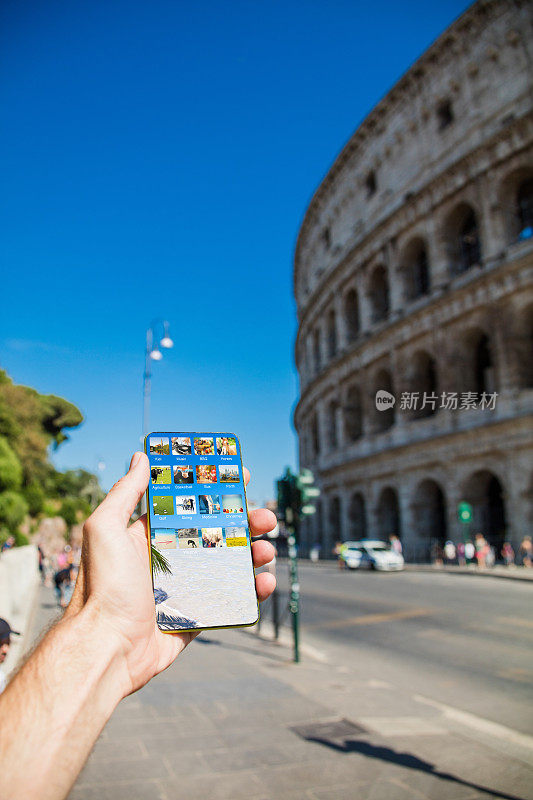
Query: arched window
[351,315]
[485,493]
[332,425]
[332,334]
[429,514]
[462,235]
[475,363]
[388,514]
[484,375]
[524,208]
[415,267]
[335,524]
[523,346]
[383,418]
[357,517]
[353,414]
[424,383]
[316,351]
[379,294]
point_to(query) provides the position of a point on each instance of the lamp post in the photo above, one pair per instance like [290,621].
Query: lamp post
[153,353]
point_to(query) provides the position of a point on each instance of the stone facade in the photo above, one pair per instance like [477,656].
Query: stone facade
[413,274]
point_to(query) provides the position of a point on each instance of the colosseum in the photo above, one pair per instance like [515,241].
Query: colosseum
[413,275]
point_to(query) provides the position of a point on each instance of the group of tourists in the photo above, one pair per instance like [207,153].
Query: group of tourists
[482,554]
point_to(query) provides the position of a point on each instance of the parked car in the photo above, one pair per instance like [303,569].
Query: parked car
[371,554]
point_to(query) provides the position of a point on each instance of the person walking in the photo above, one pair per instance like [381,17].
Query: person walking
[481,546]
[526,552]
[449,552]
[508,554]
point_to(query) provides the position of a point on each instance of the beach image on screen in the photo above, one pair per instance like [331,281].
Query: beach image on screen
[232,504]
[186,504]
[226,446]
[164,539]
[159,446]
[181,445]
[212,537]
[163,504]
[160,475]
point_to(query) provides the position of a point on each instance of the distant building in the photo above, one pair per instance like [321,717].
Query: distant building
[413,274]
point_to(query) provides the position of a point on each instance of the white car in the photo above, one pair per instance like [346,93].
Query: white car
[371,554]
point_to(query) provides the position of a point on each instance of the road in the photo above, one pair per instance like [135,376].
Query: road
[460,640]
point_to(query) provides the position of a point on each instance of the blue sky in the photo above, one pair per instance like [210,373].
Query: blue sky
[157,160]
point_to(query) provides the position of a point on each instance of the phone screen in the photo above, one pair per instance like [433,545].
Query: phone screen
[202,568]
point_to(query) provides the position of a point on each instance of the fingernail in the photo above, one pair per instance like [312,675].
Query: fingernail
[135,460]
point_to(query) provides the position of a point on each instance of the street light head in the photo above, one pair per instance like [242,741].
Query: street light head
[167,342]
[156,355]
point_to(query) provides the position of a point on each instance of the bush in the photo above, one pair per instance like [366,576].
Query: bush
[13,509]
[69,511]
[35,498]
[10,467]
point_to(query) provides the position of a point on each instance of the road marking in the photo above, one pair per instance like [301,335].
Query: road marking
[371,619]
[480,724]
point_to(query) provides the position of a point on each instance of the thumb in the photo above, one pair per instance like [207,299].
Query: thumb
[122,500]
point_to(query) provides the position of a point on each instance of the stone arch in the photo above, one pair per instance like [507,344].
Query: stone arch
[383,419]
[353,413]
[331,333]
[388,517]
[351,314]
[333,439]
[516,197]
[485,492]
[424,382]
[463,240]
[378,293]
[523,346]
[429,514]
[476,362]
[334,520]
[357,517]
[414,267]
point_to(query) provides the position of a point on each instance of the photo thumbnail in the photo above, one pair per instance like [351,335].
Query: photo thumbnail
[181,445]
[185,504]
[232,504]
[226,446]
[183,474]
[160,474]
[163,504]
[229,473]
[212,537]
[203,446]
[206,473]
[159,446]
[189,538]
[236,537]
[209,504]
[164,539]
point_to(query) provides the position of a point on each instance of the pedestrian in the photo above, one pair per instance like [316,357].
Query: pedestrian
[6,632]
[449,552]
[9,543]
[481,548]
[436,554]
[396,545]
[339,553]
[526,551]
[314,553]
[62,580]
[105,647]
[508,554]
[460,549]
[470,552]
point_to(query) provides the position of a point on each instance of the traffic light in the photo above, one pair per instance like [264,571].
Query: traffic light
[296,494]
[308,492]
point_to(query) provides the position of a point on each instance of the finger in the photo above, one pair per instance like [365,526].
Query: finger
[262,553]
[126,493]
[262,521]
[247,476]
[265,583]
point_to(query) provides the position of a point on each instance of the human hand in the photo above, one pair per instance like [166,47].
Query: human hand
[114,579]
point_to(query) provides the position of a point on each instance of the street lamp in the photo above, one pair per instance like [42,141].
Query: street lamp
[153,353]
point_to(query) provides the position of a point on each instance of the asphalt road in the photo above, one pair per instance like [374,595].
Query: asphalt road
[464,641]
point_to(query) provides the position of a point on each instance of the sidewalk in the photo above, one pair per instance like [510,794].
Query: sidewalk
[234,718]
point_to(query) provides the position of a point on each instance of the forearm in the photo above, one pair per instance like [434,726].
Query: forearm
[55,708]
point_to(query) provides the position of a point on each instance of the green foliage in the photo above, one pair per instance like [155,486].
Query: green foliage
[13,509]
[159,562]
[35,498]
[69,511]
[21,539]
[10,467]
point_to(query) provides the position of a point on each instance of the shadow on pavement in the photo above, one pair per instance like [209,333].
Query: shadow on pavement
[403,760]
[254,651]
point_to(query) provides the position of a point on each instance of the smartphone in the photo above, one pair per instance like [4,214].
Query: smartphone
[200,554]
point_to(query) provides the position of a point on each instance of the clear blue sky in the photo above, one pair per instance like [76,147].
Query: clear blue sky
[157,158]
